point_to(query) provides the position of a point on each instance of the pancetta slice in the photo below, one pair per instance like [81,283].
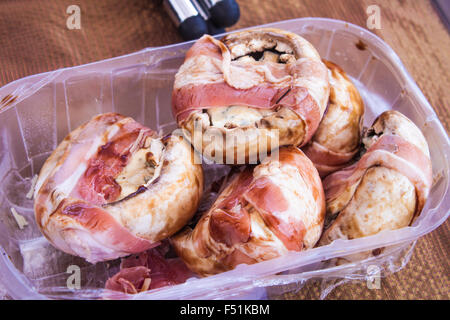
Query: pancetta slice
[338,138]
[263,213]
[148,270]
[387,188]
[263,88]
[113,187]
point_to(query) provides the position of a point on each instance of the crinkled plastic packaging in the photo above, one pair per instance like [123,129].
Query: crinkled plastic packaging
[37,112]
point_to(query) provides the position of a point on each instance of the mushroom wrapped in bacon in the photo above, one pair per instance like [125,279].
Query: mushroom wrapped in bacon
[112,187]
[338,138]
[250,93]
[263,212]
[386,188]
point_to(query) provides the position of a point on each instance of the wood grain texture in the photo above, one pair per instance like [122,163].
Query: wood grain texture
[34,39]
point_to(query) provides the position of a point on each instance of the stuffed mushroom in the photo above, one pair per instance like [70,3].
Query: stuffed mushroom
[338,138]
[113,187]
[387,188]
[251,92]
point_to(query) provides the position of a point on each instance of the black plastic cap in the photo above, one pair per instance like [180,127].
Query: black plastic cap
[213,29]
[193,28]
[225,13]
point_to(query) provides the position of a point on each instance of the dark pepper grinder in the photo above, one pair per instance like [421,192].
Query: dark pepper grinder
[224,13]
[195,18]
[187,18]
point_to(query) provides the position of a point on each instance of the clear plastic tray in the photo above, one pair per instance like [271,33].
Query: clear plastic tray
[38,111]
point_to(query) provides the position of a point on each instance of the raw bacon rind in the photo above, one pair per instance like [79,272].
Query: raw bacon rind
[338,138]
[263,213]
[76,194]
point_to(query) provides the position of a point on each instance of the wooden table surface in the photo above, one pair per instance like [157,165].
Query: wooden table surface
[34,39]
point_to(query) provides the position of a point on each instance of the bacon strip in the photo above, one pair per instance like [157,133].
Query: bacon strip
[101,225]
[327,161]
[230,222]
[269,199]
[97,185]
